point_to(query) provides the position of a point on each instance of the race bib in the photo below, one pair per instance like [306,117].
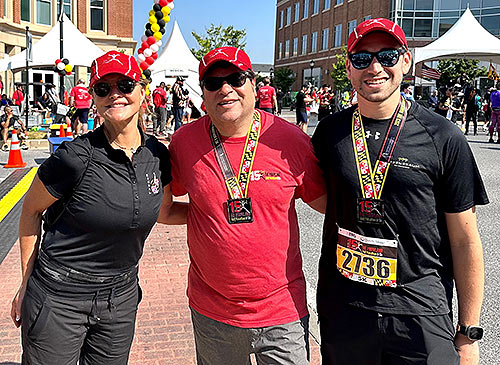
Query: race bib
[367,260]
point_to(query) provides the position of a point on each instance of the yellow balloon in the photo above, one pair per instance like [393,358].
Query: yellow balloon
[151,12]
[166,18]
[152,19]
[68,68]
[165,10]
[155,27]
[158,35]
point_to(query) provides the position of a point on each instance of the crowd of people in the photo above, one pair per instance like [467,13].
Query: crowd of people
[399,227]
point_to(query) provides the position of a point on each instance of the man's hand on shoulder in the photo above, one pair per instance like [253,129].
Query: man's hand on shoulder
[467,349]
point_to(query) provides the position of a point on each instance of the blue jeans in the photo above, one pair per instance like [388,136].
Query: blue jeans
[178,111]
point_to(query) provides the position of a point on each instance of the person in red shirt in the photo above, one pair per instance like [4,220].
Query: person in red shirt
[18,96]
[160,102]
[266,96]
[81,99]
[245,278]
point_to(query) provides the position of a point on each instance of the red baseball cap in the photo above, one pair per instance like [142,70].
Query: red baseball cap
[114,62]
[373,25]
[233,55]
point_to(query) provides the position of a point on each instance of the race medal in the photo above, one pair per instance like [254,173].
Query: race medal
[239,211]
[370,211]
[367,260]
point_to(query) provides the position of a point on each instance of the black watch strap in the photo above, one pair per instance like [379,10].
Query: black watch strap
[473,333]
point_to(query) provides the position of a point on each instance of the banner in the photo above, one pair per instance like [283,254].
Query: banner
[492,74]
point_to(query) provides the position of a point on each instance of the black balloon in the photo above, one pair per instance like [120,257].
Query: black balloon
[159,15]
[162,30]
[65,61]
[148,33]
[157,7]
[147,73]
[148,25]
[161,23]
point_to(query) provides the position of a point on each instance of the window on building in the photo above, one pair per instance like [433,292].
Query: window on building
[352,25]
[492,24]
[296,16]
[280,50]
[288,15]
[66,7]
[295,48]
[43,12]
[423,28]
[315,9]
[282,14]
[314,42]
[304,44]
[339,2]
[306,8]
[407,26]
[327,4]
[96,14]
[449,5]
[324,39]
[425,5]
[25,10]
[287,49]
[338,35]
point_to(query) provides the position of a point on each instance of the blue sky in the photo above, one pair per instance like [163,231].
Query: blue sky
[257,17]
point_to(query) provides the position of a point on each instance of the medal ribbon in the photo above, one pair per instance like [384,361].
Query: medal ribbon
[237,187]
[372,181]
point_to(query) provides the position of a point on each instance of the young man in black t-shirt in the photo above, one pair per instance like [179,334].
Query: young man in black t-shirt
[400,224]
[8,122]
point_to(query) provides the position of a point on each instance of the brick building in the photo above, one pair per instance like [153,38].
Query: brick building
[315,30]
[106,23]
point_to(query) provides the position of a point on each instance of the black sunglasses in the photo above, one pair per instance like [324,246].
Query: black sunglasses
[125,86]
[386,57]
[236,79]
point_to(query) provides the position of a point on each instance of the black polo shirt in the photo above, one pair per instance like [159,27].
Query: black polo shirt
[114,207]
[432,172]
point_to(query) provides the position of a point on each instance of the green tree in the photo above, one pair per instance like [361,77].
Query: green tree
[339,73]
[283,78]
[218,36]
[453,69]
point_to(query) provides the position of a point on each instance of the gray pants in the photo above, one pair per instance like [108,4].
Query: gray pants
[160,120]
[219,343]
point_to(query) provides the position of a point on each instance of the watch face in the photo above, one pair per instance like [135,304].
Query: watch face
[475,333]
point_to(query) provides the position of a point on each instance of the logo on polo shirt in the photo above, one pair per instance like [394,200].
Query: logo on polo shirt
[257,175]
[153,184]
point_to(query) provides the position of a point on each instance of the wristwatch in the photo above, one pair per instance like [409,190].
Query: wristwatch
[473,333]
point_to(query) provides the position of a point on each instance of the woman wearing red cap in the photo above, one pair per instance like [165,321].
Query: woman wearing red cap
[101,195]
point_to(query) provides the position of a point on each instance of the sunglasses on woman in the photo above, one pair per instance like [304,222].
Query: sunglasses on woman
[236,79]
[386,57]
[125,86]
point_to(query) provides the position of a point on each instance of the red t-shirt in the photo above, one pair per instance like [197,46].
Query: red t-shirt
[82,98]
[250,274]
[265,96]
[160,97]
[18,97]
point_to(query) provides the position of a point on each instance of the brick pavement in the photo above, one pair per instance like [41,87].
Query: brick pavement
[164,331]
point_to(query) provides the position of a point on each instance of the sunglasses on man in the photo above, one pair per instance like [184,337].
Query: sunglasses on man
[236,79]
[386,57]
[125,86]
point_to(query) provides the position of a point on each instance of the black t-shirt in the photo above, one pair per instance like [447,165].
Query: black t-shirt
[445,102]
[109,216]
[432,172]
[12,120]
[300,104]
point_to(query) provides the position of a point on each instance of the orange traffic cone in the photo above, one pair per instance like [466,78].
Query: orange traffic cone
[61,130]
[15,158]
[69,132]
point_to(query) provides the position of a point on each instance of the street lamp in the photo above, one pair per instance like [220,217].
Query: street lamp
[271,71]
[311,65]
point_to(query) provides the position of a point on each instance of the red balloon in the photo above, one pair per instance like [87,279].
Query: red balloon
[145,45]
[163,3]
[150,60]
[140,50]
[170,1]
[68,73]
[151,40]
[58,60]
[155,55]
[143,65]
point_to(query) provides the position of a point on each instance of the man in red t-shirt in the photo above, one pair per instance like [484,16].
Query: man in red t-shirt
[18,96]
[160,102]
[245,279]
[81,99]
[266,96]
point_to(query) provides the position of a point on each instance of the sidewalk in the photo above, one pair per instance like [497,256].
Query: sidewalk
[163,332]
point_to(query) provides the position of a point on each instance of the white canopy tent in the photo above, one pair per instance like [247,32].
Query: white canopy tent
[78,49]
[467,38]
[176,59]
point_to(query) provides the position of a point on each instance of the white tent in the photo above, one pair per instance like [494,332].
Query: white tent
[78,49]
[465,39]
[176,59]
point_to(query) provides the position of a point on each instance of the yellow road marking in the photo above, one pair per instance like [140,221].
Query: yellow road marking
[16,193]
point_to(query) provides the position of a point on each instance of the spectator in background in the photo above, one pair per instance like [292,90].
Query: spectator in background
[5,100]
[178,99]
[8,122]
[495,113]
[160,102]
[433,101]
[266,96]
[170,112]
[472,104]
[406,91]
[324,102]
[188,108]
[444,104]
[18,96]
[81,99]
[301,101]
[1,85]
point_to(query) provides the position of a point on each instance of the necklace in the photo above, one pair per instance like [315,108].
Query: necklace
[131,149]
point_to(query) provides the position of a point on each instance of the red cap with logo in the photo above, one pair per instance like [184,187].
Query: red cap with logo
[373,25]
[233,55]
[114,62]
